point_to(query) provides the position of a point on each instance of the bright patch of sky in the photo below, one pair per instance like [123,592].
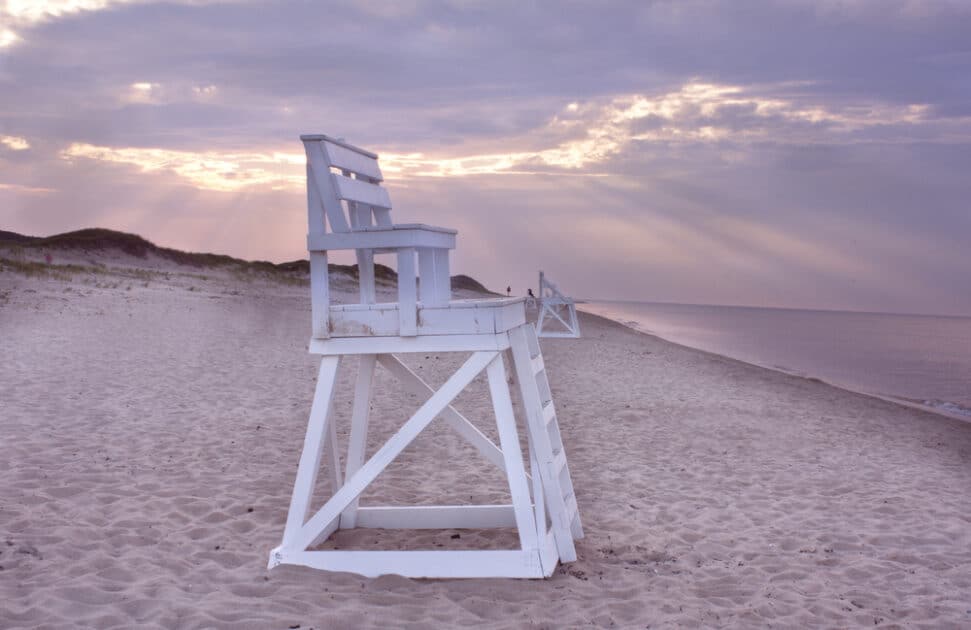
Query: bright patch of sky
[15,143]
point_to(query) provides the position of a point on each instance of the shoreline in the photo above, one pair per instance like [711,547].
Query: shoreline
[898,400]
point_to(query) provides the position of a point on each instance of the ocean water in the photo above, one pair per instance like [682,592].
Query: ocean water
[919,358]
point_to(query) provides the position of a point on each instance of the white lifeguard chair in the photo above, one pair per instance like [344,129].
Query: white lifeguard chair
[558,310]
[344,191]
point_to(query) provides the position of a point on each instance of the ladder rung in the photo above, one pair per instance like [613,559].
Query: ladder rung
[538,365]
[559,461]
[571,506]
[548,412]
[532,342]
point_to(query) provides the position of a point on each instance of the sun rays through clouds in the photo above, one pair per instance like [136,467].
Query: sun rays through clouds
[583,138]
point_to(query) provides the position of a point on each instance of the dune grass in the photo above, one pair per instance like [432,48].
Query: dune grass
[17,249]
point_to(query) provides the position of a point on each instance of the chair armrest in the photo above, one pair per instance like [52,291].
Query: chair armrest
[407,226]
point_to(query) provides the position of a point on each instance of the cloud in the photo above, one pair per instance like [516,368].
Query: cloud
[22,14]
[207,170]
[584,136]
[579,137]
[17,188]
[14,142]
[30,11]
[8,38]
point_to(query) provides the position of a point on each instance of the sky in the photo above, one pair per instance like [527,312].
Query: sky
[797,153]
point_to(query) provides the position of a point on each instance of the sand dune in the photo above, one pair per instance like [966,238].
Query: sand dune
[150,427]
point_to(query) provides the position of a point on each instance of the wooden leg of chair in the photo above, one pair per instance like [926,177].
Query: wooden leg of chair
[509,442]
[357,442]
[313,444]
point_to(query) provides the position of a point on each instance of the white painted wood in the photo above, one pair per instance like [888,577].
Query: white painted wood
[316,217]
[382,217]
[537,364]
[383,319]
[426,276]
[355,160]
[436,517]
[303,487]
[360,215]
[365,268]
[332,451]
[425,564]
[532,344]
[403,345]
[484,318]
[484,321]
[360,191]
[571,504]
[549,412]
[548,334]
[378,238]
[413,226]
[355,485]
[556,442]
[357,441]
[319,281]
[435,283]
[407,293]
[319,177]
[548,555]
[378,320]
[444,283]
[320,137]
[553,305]
[509,442]
[560,520]
[552,310]
[539,498]
[357,210]
[414,383]
[319,295]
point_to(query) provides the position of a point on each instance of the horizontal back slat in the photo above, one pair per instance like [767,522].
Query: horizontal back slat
[360,191]
[320,137]
[351,160]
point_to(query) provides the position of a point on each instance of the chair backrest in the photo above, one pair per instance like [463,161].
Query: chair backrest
[344,183]
[344,192]
[549,291]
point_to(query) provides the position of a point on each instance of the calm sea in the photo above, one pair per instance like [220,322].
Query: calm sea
[920,358]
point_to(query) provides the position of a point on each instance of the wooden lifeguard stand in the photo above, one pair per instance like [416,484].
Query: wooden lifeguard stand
[344,192]
[558,310]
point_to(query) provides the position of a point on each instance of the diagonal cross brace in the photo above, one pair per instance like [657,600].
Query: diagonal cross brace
[456,420]
[553,312]
[314,529]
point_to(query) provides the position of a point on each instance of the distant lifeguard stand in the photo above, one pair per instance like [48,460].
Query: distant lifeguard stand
[558,310]
[344,191]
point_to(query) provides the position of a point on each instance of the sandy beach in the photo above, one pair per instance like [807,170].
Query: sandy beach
[151,417]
